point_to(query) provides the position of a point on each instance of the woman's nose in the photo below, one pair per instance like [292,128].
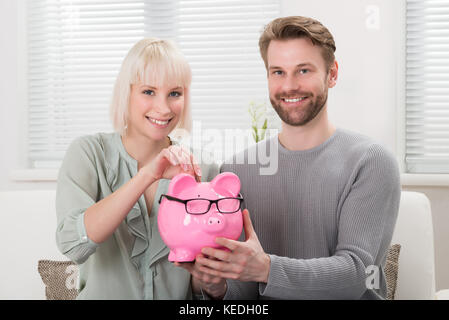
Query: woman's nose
[162,106]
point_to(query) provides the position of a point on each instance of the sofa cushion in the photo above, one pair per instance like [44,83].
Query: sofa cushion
[60,279]
[391,270]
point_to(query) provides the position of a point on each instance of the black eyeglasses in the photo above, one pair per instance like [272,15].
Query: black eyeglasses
[202,206]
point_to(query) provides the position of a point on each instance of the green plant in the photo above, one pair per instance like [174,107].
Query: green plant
[258,113]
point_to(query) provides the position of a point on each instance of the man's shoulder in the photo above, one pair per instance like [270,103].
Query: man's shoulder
[362,148]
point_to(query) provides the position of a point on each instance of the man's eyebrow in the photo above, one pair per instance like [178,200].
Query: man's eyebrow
[305,64]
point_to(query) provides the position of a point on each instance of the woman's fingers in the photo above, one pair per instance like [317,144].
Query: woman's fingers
[196,167]
[186,161]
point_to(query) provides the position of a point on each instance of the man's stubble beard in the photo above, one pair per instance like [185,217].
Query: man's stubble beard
[295,117]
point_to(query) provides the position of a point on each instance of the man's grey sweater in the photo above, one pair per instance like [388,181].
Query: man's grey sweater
[326,217]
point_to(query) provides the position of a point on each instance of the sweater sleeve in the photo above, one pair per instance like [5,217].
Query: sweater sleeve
[366,222]
[77,190]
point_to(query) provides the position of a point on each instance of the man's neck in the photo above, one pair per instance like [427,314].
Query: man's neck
[308,136]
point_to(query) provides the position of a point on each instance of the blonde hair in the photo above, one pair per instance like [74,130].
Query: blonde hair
[294,27]
[156,62]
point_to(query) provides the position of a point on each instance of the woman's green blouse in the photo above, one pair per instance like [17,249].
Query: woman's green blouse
[132,263]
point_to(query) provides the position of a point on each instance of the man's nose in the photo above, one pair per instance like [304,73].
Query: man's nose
[290,84]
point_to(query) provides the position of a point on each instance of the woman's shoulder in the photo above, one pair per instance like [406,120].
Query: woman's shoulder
[91,145]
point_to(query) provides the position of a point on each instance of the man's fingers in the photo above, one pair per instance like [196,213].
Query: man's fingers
[248,225]
[228,243]
[219,274]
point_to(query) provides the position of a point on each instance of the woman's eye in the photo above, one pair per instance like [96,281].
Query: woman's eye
[175,94]
[149,92]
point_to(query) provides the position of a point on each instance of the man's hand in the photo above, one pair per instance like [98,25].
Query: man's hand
[246,261]
[214,286]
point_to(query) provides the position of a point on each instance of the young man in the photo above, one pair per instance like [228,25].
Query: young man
[324,221]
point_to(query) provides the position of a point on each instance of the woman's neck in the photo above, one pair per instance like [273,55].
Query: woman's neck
[143,149]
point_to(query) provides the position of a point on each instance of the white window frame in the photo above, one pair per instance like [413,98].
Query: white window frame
[409,179]
[28,173]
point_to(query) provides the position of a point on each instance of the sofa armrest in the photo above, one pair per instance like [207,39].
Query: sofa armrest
[442,295]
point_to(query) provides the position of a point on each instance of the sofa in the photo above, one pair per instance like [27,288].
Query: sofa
[28,226]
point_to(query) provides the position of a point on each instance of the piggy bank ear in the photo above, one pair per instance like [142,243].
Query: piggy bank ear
[225,183]
[179,183]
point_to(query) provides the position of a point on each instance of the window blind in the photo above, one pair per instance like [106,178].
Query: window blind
[427,86]
[75,49]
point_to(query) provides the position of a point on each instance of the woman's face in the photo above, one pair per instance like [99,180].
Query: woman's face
[154,111]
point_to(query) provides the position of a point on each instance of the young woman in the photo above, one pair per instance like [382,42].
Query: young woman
[109,183]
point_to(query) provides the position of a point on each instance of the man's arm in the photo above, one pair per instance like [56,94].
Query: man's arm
[366,224]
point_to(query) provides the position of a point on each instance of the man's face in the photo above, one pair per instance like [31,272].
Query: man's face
[298,80]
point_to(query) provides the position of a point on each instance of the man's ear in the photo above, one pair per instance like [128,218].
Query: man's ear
[333,75]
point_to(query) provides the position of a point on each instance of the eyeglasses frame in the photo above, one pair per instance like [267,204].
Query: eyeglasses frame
[211,202]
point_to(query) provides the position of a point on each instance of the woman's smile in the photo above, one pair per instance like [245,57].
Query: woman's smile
[159,123]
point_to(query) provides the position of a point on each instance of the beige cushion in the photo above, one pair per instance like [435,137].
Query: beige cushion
[391,270]
[60,279]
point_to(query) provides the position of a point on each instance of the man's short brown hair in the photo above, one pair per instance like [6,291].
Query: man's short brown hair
[294,27]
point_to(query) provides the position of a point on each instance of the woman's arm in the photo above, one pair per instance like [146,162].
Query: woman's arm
[103,218]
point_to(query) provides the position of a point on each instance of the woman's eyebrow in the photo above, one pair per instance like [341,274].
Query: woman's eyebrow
[147,86]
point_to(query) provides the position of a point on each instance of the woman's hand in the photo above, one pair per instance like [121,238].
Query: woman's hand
[171,161]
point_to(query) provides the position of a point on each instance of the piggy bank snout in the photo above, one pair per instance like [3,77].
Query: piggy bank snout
[215,223]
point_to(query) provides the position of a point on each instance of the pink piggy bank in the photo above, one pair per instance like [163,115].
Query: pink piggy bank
[191,215]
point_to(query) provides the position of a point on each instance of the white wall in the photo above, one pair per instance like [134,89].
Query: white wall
[364,98]
[10,109]
[367,97]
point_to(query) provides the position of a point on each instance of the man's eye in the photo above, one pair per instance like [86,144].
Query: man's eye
[277,72]
[175,94]
[304,71]
[149,92]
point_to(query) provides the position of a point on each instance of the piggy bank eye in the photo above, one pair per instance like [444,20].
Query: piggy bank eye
[200,206]
[229,205]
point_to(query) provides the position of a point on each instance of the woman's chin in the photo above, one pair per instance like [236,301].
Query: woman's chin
[157,134]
